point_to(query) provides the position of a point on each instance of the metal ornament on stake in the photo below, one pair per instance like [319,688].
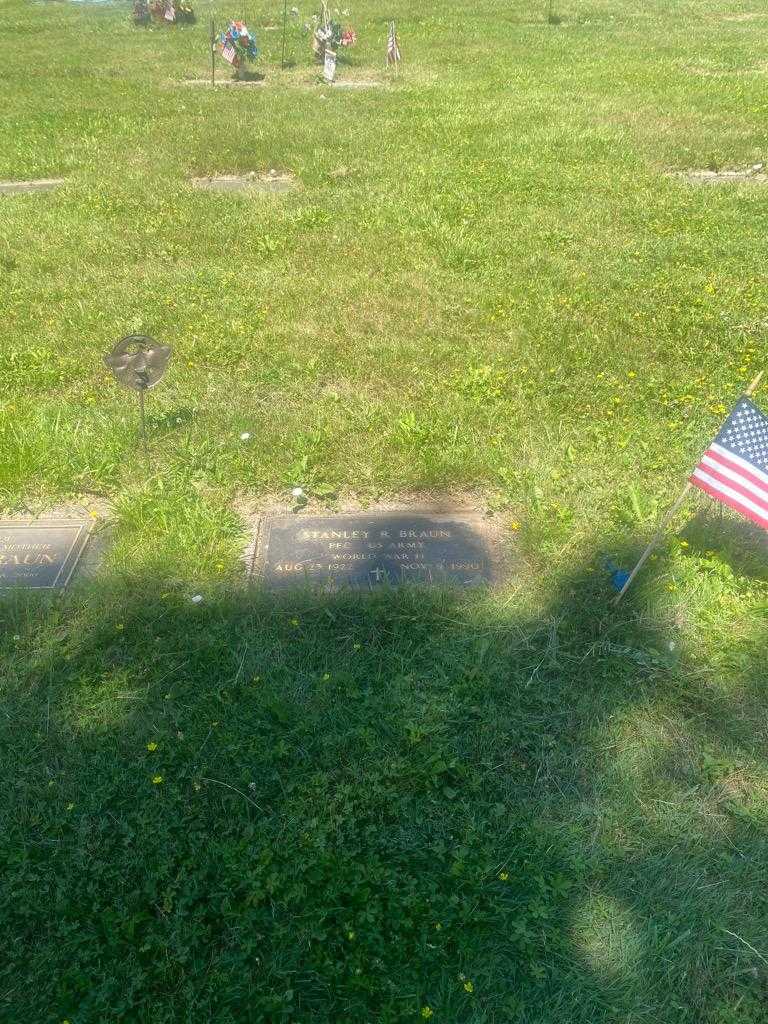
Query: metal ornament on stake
[139,363]
[285,23]
[670,515]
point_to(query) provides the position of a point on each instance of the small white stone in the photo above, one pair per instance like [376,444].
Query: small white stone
[245,436]
[197,598]
[297,492]
[757,167]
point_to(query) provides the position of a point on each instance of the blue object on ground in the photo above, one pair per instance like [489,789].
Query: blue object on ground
[618,576]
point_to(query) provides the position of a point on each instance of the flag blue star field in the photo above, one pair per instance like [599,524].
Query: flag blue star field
[734,469]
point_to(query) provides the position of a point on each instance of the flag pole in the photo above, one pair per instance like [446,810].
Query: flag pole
[285,22]
[754,385]
[213,53]
[668,517]
[656,538]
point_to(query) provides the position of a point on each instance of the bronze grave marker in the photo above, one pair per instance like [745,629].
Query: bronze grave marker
[41,554]
[368,550]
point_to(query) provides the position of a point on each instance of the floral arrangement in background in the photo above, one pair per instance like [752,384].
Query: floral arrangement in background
[165,12]
[185,13]
[238,45]
[141,15]
[330,34]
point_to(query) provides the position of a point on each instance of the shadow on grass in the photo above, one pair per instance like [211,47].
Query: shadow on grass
[739,544]
[354,809]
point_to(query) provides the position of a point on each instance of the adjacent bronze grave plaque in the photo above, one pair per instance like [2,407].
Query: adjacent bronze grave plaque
[40,554]
[376,549]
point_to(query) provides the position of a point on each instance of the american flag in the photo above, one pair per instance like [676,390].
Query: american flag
[393,50]
[228,53]
[734,469]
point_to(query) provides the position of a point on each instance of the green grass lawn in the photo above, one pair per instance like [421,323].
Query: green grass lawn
[520,806]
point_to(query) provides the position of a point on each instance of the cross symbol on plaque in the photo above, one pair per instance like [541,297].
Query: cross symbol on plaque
[378,574]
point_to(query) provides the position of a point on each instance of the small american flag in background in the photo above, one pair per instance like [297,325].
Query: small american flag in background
[228,53]
[734,469]
[393,50]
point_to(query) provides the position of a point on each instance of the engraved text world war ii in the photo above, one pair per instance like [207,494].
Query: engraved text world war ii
[374,550]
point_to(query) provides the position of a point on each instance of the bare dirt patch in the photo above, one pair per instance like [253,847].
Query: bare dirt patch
[226,83]
[10,188]
[273,182]
[754,175]
[743,16]
[360,83]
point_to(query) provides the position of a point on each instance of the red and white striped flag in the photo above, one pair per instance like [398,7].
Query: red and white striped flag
[734,469]
[393,49]
[228,53]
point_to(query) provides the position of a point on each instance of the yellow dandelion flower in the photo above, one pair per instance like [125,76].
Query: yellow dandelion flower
[683,543]
[294,622]
[151,746]
[514,525]
[157,780]
[468,986]
[426,1012]
[504,876]
[631,374]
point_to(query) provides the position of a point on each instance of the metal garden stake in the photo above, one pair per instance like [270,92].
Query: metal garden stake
[139,362]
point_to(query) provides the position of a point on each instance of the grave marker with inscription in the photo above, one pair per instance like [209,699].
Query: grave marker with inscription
[41,554]
[375,549]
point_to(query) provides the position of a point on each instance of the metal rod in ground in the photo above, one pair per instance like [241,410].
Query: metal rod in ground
[213,53]
[656,538]
[144,431]
[285,23]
